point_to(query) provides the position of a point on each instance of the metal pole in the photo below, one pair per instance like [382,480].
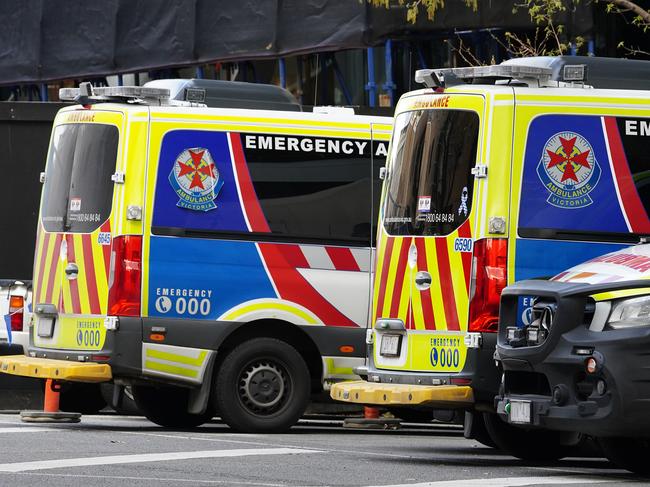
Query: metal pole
[371,86]
[300,83]
[323,78]
[341,80]
[389,86]
[418,50]
[283,72]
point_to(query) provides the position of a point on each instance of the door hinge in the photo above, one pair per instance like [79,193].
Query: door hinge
[480,171]
[118,178]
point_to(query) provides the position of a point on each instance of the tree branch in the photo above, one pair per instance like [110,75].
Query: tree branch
[632,7]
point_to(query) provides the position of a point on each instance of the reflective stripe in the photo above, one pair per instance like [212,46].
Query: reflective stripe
[624,293]
[174,357]
[170,369]
[178,362]
[341,367]
[267,305]
[317,257]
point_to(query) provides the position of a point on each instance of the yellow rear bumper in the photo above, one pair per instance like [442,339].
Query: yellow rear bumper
[44,368]
[363,392]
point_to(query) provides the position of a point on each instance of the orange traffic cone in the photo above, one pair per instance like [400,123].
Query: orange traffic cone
[370,412]
[372,420]
[50,413]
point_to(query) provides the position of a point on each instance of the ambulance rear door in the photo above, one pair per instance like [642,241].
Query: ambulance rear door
[426,235]
[78,218]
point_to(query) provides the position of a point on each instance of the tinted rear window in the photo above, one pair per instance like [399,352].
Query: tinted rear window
[78,188]
[315,195]
[430,181]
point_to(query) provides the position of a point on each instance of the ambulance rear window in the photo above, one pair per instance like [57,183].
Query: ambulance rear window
[78,189]
[430,181]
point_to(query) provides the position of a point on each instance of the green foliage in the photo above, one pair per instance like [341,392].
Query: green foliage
[413,7]
[549,37]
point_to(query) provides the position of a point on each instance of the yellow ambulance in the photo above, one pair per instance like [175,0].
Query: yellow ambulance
[494,174]
[208,245]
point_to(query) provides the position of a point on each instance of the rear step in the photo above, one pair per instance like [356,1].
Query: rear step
[44,368]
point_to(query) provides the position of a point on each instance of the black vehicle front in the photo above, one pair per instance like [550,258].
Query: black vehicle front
[580,363]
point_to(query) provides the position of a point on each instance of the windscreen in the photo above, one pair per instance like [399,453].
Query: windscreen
[78,188]
[430,181]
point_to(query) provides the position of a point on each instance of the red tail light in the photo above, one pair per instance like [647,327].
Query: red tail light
[124,279]
[489,276]
[16,311]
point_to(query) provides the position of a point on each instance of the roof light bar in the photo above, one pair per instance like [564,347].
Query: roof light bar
[104,92]
[433,78]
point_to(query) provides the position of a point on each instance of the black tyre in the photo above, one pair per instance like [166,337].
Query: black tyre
[527,444]
[263,386]
[81,398]
[630,453]
[127,405]
[167,406]
[475,429]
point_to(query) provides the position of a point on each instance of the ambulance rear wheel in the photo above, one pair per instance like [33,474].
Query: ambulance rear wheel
[527,444]
[630,453]
[167,406]
[263,386]
[475,429]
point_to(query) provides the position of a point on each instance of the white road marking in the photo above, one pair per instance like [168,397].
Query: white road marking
[174,481]
[281,445]
[146,457]
[605,470]
[508,482]
[27,429]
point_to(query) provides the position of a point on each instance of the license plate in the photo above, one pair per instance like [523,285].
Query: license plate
[390,345]
[520,412]
[45,327]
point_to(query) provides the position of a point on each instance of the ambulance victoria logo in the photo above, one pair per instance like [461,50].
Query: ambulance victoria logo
[568,170]
[195,179]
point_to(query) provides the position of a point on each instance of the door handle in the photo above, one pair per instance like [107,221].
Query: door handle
[423,280]
[71,271]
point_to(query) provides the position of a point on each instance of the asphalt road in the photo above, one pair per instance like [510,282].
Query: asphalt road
[130,451]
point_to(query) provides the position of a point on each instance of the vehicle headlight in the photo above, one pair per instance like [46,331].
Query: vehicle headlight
[629,313]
